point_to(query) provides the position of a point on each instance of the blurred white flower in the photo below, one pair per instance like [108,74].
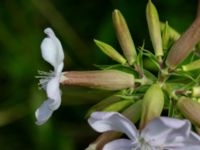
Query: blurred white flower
[159,134]
[52,52]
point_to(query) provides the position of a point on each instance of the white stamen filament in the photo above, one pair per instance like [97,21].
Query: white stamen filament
[44,78]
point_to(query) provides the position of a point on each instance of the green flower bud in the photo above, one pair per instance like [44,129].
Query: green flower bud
[110,51]
[118,106]
[192,66]
[154,28]
[104,103]
[165,37]
[103,79]
[184,45]
[169,36]
[133,112]
[190,109]
[124,37]
[152,105]
[173,34]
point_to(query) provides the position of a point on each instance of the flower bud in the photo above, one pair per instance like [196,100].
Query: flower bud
[103,79]
[118,106]
[184,45]
[154,28]
[173,34]
[152,105]
[169,36]
[110,51]
[192,66]
[190,109]
[124,37]
[165,37]
[104,103]
[133,112]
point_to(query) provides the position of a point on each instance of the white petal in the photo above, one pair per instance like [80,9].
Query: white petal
[52,50]
[190,147]
[49,51]
[107,121]
[43,113]
[166,132]
[192,143]
[59,69]
[120,144]
[195,138]
[53,93]
[185,146]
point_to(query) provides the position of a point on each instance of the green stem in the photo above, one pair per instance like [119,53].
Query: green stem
[143,81]
[139,70]
[164,75]
[171,108]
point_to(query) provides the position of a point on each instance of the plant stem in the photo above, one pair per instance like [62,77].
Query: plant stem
[139,70]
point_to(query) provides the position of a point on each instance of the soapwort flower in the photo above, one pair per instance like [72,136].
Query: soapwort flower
[52,52]
[161,133]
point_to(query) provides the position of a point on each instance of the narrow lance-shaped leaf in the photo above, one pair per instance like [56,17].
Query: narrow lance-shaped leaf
[184,45]
[154,28]
[110,51]
[124,37]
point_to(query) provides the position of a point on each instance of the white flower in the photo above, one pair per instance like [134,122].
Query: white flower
[160,134]
[52,52]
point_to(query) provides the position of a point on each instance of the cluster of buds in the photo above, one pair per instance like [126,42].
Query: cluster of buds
[141,96]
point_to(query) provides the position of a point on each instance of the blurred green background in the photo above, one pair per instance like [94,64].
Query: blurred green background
[76,23]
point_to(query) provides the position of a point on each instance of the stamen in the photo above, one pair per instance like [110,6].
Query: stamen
[44,72]
[44,78]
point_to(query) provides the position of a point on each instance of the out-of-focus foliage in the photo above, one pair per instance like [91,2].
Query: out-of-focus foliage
[76,23]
